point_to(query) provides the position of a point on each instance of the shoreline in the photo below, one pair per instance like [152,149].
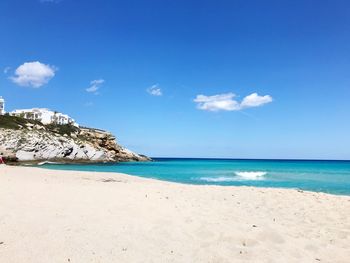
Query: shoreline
[189,183]
[55,215]
[299,190]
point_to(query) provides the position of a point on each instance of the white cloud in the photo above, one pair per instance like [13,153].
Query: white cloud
[217,102]
[95,85]
[226,102]
[33,74]
[254,100]
[155,90]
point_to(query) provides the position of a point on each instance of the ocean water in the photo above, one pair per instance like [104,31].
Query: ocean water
[320,176]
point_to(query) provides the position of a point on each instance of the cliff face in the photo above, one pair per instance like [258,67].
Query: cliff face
[25,140]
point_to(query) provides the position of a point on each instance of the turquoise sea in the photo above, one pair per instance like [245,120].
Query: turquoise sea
[320,176]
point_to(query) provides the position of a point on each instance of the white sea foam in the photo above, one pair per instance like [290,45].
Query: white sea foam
[47,162]
[237,176]
[251,175]
[218,179]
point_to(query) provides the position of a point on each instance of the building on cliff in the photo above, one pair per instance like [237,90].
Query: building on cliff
[45,116]
[2,106]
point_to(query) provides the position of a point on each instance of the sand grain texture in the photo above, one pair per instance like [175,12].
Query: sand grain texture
[68,216]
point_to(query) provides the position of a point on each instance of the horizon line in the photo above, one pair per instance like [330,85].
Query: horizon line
[253,159]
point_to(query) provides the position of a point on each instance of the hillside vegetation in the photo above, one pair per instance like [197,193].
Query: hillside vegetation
[28,140]
[12,122]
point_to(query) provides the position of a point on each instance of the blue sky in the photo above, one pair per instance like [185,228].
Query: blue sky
[176,78]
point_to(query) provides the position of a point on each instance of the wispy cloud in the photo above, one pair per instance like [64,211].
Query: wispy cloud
[95,85]
[227,102]
[33,74]
[88,104]
[6,70]
[50,1]
[155,90]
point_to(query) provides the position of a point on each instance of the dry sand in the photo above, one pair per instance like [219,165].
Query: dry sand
[67,216]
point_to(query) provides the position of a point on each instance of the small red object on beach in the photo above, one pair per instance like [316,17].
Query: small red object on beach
[2,160]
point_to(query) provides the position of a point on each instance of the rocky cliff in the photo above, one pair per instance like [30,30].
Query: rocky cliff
[27,140]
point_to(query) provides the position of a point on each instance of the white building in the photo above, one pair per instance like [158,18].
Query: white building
[2,106]
[45,116]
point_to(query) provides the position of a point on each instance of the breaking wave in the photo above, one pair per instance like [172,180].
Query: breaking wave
[218,179]
[47,162]
[251,175]
[238,176]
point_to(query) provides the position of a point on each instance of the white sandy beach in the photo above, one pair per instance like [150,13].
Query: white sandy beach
[68,216]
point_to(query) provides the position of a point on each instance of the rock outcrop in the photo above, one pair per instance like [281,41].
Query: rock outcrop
[25,140]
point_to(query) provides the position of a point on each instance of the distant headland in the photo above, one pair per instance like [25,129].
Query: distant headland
[39,135]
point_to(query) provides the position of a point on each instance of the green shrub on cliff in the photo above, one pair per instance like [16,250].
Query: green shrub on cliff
[62,129]
[12,122]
